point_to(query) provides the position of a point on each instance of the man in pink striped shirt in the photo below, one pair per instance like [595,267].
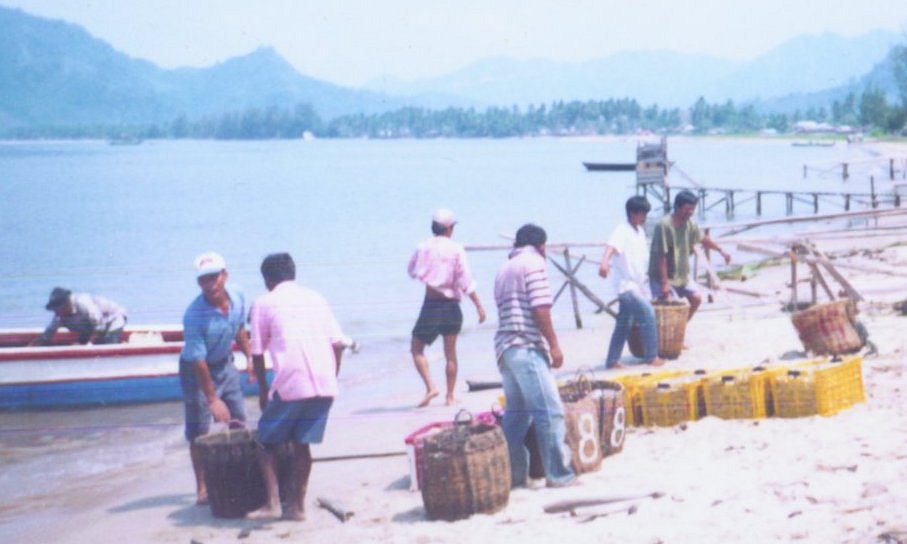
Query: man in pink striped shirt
[440,263]
[296,327]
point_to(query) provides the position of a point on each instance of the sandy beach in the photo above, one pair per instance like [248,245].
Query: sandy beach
[814,479]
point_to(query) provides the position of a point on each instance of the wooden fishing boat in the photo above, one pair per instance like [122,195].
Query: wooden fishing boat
[143,368]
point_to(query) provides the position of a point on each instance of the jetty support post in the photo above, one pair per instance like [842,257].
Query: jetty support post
[844,173]
[815,203]
[573,299]
[789,203]
[847,202]
[702,193]
[758,203]
[804,171]
[891,169]
[872,192]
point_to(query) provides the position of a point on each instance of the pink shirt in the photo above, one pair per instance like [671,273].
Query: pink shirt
[440,263]
[297,328]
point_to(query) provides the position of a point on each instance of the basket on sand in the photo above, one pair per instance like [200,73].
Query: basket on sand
[828,328]
[465,470]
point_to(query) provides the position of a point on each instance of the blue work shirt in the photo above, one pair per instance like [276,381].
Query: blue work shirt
[209,334]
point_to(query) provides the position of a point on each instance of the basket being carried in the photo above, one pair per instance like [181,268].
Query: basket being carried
[671,326]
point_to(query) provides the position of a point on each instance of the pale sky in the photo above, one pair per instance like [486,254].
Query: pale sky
[349,42]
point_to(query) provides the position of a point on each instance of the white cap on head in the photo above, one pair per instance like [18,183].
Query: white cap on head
[444,217]
[209,263]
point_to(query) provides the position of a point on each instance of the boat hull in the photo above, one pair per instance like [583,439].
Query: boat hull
[68,376]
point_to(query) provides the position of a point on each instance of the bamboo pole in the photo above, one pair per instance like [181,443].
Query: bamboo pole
[576,316]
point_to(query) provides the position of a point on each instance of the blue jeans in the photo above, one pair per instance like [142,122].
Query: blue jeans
[633,309]
[533,399]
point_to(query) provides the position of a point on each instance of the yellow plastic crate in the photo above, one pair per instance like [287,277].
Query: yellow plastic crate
[736,395]
[670,402]
[633,384]
[823,388]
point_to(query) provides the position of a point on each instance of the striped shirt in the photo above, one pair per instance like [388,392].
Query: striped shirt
[521,285]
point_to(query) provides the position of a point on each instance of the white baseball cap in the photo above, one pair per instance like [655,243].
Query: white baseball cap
[444,217]
[209,263]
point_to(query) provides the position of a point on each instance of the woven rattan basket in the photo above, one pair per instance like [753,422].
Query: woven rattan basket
[465,470]
[828,328]
[612,415]
[581,417]
[233,474]
[671,325]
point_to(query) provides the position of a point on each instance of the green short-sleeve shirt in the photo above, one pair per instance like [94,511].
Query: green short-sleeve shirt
[676,243]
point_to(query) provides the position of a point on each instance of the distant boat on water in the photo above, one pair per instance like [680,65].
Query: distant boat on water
[125,140]
[812,143]
[610,166]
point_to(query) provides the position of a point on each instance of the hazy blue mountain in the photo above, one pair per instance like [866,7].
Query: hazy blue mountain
[881,77]
[803,64]
[56,73]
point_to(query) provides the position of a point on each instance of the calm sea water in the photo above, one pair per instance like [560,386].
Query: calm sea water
[126,222]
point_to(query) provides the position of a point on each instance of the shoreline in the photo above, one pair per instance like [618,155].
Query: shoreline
[817,479]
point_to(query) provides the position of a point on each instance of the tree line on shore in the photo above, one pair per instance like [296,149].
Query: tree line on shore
[870,111]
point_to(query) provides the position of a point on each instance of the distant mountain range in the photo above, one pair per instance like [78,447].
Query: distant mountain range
[802,65]
[55,74]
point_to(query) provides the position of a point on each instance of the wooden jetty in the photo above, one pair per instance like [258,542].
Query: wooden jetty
[652,179]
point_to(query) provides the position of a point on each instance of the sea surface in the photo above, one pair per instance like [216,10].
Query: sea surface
[126,222]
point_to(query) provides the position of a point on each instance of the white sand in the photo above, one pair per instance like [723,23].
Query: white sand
[818,479]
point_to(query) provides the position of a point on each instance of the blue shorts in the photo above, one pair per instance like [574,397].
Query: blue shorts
[227,385]
[301,421]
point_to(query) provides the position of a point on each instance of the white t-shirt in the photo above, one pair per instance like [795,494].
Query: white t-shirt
[630,263]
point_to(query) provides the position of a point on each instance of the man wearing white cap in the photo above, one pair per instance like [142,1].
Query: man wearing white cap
[440,263]
[210,381]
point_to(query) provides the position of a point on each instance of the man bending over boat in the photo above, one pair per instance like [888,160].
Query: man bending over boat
[296,327]
[95,319]
[440,263]
[210,381]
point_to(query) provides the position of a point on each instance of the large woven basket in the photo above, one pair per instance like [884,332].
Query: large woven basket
[233,474]
[828,328]
[671,325]
[612,415]
[465,470]
[581,417]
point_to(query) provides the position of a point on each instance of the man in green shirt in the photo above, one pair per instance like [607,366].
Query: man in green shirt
[669,259]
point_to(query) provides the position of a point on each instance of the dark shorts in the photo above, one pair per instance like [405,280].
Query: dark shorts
[438,316]
[300,421]
[227,385]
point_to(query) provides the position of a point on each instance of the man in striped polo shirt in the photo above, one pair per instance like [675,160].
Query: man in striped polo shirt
[526,346]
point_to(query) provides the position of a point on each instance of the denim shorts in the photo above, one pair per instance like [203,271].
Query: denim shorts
[300,421]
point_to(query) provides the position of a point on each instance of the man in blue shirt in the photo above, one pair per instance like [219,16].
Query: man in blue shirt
[210,381]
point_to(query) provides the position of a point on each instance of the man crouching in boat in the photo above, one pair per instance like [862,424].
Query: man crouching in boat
[210,381]
[95,319]
[297,328]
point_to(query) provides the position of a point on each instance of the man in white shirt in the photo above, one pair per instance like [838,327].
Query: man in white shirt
[440,263]
[626,261]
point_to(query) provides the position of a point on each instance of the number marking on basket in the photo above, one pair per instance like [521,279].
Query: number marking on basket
[588,445]
[617,434]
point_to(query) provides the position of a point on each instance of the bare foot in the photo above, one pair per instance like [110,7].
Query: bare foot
[294,515]
[658,361]
[617,366]
[265,512]
[428,396]
[201,498]
[451,400]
